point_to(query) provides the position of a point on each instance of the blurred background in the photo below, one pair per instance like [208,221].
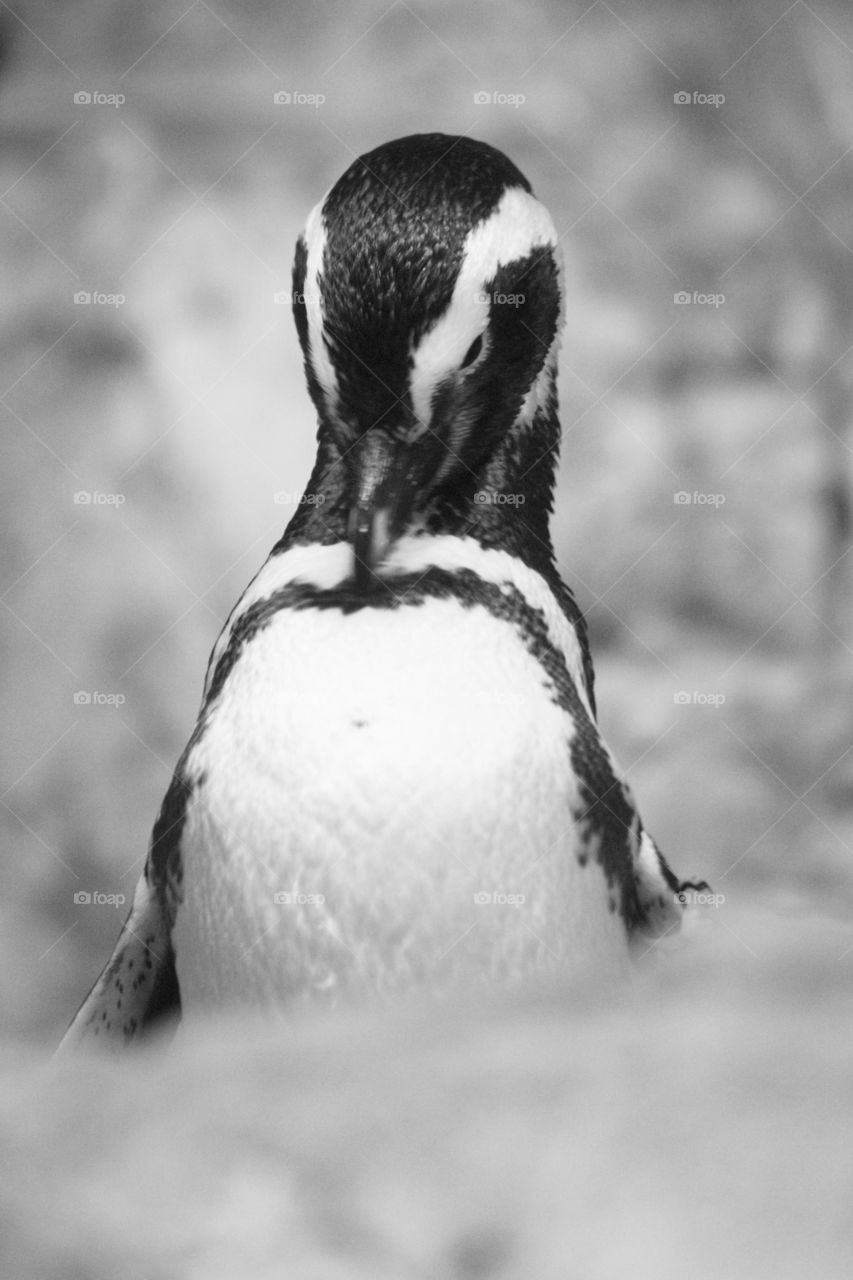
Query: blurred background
[697,158]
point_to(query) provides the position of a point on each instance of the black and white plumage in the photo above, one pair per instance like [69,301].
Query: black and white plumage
[396,777]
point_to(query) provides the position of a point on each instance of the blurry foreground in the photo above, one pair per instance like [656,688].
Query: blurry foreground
[696,1131]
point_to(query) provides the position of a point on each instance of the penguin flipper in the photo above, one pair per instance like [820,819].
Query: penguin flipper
[138,986]
[661,895]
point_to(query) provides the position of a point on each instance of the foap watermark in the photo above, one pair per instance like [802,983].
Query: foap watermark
[96,698]
[697,299]
[698,699]
[496,498]
[496,98]
[292,898]
[484,899]
[500,299]
[697,98]
[94,898]
[295,98]
[696,499]
[94,498]
[85,298]
[699,898]
[285,499]
[299,299]
[95,98]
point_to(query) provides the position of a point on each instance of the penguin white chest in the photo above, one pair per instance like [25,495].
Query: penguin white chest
[385,800]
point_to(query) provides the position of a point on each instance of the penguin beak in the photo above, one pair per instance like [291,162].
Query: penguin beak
[383,496]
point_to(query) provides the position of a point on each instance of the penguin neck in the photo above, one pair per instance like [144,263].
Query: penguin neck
[505,506]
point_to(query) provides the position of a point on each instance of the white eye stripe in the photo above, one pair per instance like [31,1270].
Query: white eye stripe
[538,394]
[519,225]
[324,370]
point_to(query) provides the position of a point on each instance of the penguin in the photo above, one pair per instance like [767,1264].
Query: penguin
[396,783]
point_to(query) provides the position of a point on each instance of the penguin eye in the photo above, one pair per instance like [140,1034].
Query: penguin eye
[473,352]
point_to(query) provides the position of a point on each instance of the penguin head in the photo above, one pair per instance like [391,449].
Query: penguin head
[428,302]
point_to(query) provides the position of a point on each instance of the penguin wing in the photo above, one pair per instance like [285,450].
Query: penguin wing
[661,895]
[642,886]
[138,985]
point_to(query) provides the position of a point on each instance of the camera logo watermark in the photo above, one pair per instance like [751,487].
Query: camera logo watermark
[83,298]
[698,99]
[94,898]
[699,898]
[498,99]
[299,299]
[94,98]
[500,299]
[697,299]
[285,499]
[697,499]
[94,698]
[484,899]
[94,498]
[493,497]
[284,98]
[698,699]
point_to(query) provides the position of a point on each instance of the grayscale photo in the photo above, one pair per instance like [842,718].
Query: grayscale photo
[427,768]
